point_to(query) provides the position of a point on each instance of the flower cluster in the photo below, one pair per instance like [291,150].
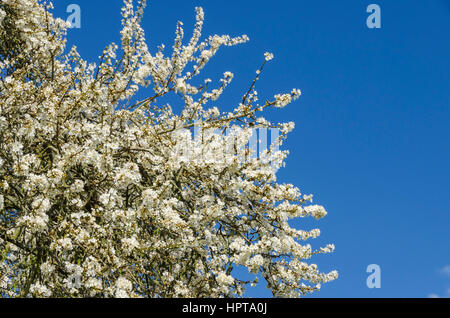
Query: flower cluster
[98,195]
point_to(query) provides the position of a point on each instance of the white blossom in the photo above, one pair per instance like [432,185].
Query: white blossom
[106,195]
[268,56]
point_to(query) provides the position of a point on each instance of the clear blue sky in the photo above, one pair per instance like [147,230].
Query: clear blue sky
[372,127]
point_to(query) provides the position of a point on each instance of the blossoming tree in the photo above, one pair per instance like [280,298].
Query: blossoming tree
[102,195]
